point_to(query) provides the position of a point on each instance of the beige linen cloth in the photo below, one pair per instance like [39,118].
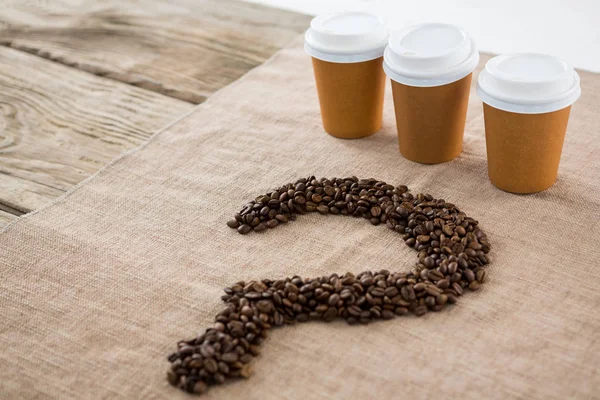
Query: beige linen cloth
[97,288]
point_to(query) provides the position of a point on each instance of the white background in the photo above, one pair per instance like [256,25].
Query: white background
[569,29]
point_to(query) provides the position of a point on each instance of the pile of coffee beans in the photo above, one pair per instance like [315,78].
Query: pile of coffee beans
[451,259]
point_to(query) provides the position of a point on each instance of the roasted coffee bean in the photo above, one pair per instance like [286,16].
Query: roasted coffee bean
[443,284]
[430,301]
[420,310]
[264,306]
[480,276]
[423,238]
[323,209]
[260,227]
[234,223]
[452,257]
[244,229]
[334,299]
[408,293]
[452,267]
[391,291]
[469,275]
[281,218]
[429,262]
[457,288]
[401,310]
[199,387]
[433,290]
[441,299]
[211,365]
[172,377]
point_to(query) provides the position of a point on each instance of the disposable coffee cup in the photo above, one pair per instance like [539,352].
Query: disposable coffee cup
[430,66]
[347,55]
[527,100]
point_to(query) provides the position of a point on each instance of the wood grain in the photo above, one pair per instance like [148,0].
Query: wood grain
[101,77]
[59,125]
[6,218]
[185,49]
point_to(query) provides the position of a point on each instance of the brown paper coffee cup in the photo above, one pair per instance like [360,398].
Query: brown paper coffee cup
[431,67]
[351,96]
[527,101]
[524,149]
[431,120]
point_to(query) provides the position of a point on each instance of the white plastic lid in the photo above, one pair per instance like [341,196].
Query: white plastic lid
[528,83]
[346,37]
[430,54]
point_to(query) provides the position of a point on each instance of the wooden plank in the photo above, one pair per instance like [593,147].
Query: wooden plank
[58,125]
[20,195]
[6,218]
[185,49]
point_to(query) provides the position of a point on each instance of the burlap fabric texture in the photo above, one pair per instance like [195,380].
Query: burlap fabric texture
[97,288]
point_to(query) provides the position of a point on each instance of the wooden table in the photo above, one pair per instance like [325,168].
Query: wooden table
[82,81]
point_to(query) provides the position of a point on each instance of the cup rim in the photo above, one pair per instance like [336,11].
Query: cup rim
[516,102]
[343,57]
[424,80]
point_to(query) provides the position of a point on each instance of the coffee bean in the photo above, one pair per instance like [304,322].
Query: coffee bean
[401,310]
[447,230]
[246,371]
[211,365]
[452,267]
[330,314]
[441,299]
[408,293]
[230,357]
[253,295]
[430,301]
[172,377]
[423,238]
[470,252]
[323,209]
[302,317]
[391,291]
[199,387]
[375,211]
[435,275]
[480,276]
[443,284]
[264,306]
[469,275]
[244,229]
[457,288]
[334,299]
[433,290]
[429,262]
[234,223]
[420,311]
[354,310]
[429,226]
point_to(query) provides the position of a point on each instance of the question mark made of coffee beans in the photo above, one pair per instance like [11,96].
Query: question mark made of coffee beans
[451,259]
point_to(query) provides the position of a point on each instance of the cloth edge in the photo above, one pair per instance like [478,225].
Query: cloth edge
[128,153]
